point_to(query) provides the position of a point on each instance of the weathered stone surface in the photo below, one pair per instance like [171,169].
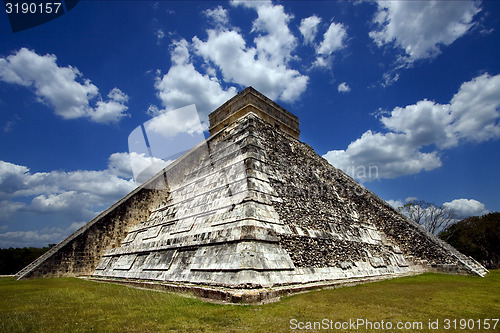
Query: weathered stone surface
[252,207]
[80,253]
[251,101]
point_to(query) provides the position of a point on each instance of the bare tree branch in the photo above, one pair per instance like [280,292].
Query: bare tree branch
[433,218]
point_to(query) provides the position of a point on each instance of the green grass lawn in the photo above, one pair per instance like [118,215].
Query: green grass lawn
[75,305]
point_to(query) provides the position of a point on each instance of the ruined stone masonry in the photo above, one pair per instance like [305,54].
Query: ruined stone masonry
[248,215]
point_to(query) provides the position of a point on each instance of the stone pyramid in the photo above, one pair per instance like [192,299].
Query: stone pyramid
[247,215]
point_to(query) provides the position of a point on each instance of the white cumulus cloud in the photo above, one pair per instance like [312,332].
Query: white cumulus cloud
[275,41]
[72,196]
[309,28]
[466,207]
[218,15]
[69,198]
[423,123]
[378,155]
[343,88]
[263,65]
[204,70]
[183,85]
[476,109]
[62,88]
[37,238]
[461,208]
[74,192]
[119,164]
[472,115]
[9,208]
[128,165]
[333,40]
[420,28]
[395,203]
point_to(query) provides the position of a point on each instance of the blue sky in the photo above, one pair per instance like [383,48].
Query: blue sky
[407,90]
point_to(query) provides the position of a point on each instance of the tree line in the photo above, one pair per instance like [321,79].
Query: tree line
[12,260]
[477,236]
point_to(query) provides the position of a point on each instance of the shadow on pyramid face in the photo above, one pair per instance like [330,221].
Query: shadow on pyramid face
[156,144]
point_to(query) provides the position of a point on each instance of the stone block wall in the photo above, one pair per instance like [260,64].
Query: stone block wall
[250,100]
[81,252]
[336,221]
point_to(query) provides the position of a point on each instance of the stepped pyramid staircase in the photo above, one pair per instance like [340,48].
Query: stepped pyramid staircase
[247,215]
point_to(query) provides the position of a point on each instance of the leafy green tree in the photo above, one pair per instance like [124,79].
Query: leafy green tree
[478,237]
[12,260]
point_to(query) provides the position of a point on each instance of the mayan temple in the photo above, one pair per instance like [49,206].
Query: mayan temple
[248,215]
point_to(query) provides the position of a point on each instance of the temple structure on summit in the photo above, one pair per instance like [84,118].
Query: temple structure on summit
[251,101]
[248,215]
